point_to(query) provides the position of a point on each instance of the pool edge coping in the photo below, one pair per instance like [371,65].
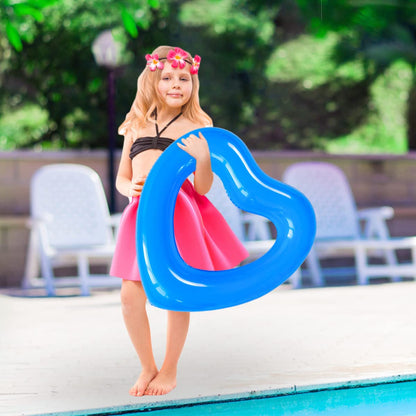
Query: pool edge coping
[232,397]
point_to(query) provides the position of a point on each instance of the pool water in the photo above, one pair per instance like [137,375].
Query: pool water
[391,399]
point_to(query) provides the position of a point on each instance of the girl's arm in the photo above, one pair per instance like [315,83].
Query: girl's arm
[198,148]
[125,173]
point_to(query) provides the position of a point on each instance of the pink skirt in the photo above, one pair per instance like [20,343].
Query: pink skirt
[204,239]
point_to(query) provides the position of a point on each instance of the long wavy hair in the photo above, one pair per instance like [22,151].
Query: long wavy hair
[147,100]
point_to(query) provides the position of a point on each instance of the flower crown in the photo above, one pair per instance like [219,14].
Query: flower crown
[176,57]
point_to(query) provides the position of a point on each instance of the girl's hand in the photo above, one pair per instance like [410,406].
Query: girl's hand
[197,147]
[136,186]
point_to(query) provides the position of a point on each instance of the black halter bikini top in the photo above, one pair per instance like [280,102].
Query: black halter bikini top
[157,142]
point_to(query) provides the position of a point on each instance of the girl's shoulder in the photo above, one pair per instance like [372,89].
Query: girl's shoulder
[188,125]
[148,129]
[131,135]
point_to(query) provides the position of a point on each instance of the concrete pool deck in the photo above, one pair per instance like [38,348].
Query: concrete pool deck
[70,353]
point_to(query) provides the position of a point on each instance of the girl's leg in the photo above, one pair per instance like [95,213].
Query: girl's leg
[165,381]
[133,301]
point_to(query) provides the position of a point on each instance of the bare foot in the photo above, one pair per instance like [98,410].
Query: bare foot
[163,383]
[142,383]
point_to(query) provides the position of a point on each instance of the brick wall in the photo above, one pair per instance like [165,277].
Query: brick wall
[375,180]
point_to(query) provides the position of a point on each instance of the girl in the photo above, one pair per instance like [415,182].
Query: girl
[166,107]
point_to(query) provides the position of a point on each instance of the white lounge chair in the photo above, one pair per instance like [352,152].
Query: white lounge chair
[70,224]
[342,229]
[251,229]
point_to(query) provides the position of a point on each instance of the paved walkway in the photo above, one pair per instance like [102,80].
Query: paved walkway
[71,353]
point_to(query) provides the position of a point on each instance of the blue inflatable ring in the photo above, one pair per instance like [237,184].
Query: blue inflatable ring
[172,284]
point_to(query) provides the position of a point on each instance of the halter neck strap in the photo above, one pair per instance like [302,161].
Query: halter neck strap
[158,133]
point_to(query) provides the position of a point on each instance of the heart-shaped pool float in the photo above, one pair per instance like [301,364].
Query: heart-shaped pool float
[172,284]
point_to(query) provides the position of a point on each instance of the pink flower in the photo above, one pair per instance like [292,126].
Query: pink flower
[196,62]
[153,62]
[176,57]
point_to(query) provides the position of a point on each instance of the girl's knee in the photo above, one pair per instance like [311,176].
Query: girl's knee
[132,295]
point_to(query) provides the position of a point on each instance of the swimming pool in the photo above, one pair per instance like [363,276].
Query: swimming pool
[386,398]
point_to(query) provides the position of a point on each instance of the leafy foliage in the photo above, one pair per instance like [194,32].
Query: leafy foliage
[233,74]
[56,70]
[17,19]
[262,75]
[378,33]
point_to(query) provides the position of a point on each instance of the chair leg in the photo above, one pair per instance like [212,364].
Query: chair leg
[32,261]
[83,273]
[413,257]
[47,274]
[296,279]
[314,267]
[391,260]
[361,266]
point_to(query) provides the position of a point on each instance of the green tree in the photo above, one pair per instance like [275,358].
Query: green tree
[377,33]
[247,84]
[17,19]
[56,69]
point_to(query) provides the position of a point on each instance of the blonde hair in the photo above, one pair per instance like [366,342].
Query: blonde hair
[147,100]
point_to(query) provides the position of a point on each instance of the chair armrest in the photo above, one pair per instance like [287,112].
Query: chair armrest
[31,222]
[114,223]
[36,224]
[257,227]
[114,220]
[384,213]
[375,221]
